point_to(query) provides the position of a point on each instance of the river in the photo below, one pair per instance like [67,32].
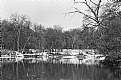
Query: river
[55,69]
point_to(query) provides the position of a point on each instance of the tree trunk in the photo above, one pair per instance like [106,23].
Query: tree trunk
[18,41]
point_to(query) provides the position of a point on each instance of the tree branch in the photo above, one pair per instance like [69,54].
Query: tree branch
[86,3]
[79,2]
[98,8]
[93,3]
[85,14]
[94,11]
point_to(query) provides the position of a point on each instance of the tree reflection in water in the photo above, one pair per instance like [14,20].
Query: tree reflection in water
[32,69]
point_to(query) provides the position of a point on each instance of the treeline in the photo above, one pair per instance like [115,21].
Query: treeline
[19,33]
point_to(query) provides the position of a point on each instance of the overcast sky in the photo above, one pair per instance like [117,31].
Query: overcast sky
[45,12]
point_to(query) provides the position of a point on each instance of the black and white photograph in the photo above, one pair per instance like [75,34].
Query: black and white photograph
[60,40]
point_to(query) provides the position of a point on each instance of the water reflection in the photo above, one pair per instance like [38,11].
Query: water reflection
[75,60]
[10,59]
[48,68]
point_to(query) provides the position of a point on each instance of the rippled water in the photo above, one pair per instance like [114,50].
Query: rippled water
[56,69]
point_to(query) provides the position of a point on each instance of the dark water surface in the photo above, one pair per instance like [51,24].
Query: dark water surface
[32,69]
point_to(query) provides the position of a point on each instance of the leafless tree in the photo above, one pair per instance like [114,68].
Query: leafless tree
[91,17]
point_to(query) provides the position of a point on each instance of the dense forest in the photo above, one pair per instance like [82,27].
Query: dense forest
[19,33]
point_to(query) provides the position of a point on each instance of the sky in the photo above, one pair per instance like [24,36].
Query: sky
[45,12]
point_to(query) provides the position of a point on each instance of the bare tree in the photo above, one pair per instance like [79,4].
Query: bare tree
[19,21]
[91,17]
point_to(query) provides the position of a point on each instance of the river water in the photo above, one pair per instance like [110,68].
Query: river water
[56,69]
